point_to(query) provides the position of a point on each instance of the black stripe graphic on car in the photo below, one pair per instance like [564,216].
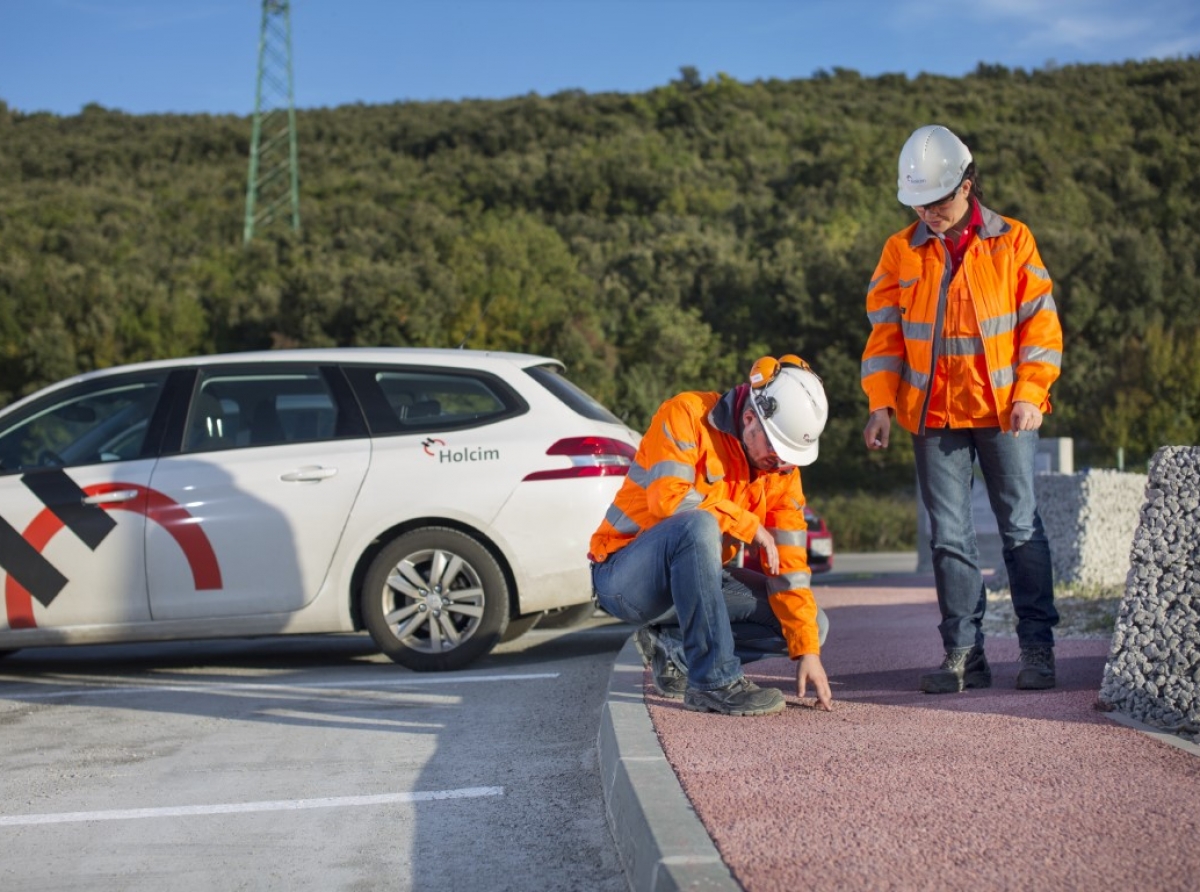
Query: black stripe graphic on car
[24,564]
[62,495]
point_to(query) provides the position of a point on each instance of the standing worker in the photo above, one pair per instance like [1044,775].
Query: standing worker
[965,343]
[713,470]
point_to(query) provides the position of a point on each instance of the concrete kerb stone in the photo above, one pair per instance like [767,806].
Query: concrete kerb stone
[1156,733]
[661,841]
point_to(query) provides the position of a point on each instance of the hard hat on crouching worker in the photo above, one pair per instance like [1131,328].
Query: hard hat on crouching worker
[790,403]
[932,165]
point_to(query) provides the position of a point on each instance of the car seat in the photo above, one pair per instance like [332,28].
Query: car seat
[208,429]
[265,426]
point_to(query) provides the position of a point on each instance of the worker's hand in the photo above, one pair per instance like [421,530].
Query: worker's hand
[809,669]
[878,430]
[1025,417]
[768,553]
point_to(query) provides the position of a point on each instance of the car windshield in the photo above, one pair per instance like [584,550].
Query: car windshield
[578,399]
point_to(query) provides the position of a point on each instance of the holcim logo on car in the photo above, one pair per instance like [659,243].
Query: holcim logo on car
[450,455]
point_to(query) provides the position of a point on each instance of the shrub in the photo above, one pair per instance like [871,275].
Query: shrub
[867,521]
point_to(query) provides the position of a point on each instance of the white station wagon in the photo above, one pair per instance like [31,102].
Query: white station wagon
[442,500]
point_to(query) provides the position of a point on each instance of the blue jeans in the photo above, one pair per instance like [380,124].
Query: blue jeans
[709,619]
[757,632]
[945,473]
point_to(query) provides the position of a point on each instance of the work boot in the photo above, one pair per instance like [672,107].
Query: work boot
[1037,668]
[668,680]
[741,697]
[964,667]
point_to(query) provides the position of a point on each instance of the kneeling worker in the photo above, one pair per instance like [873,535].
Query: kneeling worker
[714,470]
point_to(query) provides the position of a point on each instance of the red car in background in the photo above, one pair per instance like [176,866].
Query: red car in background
[820,542]
[820,545]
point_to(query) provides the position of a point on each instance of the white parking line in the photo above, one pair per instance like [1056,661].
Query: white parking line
[202,687]
[131,814]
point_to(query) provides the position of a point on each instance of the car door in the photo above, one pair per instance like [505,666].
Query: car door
[75,468]
[270,464]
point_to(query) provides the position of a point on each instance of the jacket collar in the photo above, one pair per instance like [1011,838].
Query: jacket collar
[726,415]
[992,226]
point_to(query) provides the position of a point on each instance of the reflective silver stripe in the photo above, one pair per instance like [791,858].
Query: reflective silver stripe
[1029,309]
[789,537]
[908,283]
[680,443]
[690,501]
[917,331]
[1004,377]
[1041,354]
[1038,271]
[914,378]
[667,468]
[621,521]
[787,582]
[885,314]
[960,346]
[881,364]
[639,475]
[998,325]
[875,282]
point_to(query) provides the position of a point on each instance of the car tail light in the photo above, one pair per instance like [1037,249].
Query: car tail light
[590,457]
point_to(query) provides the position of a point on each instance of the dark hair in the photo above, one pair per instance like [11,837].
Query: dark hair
[973,175]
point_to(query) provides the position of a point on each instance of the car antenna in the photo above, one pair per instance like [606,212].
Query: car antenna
[482,312]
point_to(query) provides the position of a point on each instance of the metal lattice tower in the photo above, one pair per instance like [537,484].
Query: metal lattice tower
[273,182]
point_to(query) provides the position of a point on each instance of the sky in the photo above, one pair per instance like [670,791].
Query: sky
[201,56]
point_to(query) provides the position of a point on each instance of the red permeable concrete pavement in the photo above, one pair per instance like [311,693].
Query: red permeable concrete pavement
[992,789]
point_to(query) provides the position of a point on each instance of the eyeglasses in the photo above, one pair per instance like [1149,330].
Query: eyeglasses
[941,202]
[771,461]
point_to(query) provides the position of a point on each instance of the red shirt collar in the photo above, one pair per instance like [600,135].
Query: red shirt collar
[958,246]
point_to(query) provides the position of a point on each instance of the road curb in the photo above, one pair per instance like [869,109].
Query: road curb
[662,843]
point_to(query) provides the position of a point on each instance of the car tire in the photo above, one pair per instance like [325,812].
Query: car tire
[435,600]
[567,617]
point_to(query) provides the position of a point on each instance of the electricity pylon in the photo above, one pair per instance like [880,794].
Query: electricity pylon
[273,182]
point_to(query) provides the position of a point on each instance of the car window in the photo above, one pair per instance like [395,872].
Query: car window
[403,400]
[578,399]
[97,421]
[241,407]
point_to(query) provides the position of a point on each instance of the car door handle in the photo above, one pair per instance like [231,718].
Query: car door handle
[117,495]
[304,475]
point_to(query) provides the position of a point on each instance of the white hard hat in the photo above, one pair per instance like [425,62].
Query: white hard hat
[790,403]
[932,164]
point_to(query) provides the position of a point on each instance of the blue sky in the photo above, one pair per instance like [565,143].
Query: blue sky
[191,56]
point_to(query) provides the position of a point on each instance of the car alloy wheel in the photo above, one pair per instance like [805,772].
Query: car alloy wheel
[435,599]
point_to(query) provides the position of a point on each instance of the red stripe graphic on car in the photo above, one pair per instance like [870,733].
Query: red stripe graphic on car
[154,505]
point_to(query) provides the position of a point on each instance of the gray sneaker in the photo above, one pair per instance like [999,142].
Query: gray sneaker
[964,667]
[741,697]
[668,680]
[1037,669]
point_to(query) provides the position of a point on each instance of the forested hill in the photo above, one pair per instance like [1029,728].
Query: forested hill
[655,242]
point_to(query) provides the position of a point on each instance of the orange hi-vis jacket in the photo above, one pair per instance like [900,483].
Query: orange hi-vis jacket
[959,349]
[691,459]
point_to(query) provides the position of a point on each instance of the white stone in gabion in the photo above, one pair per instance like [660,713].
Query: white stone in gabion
[1153,668]
[1090,520]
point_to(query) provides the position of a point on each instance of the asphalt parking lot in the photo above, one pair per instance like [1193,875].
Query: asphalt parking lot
[306,763]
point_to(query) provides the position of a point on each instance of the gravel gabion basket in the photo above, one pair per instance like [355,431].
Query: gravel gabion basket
[1090,519]
[1153,668]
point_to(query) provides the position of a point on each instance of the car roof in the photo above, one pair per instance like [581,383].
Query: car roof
[441,356]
